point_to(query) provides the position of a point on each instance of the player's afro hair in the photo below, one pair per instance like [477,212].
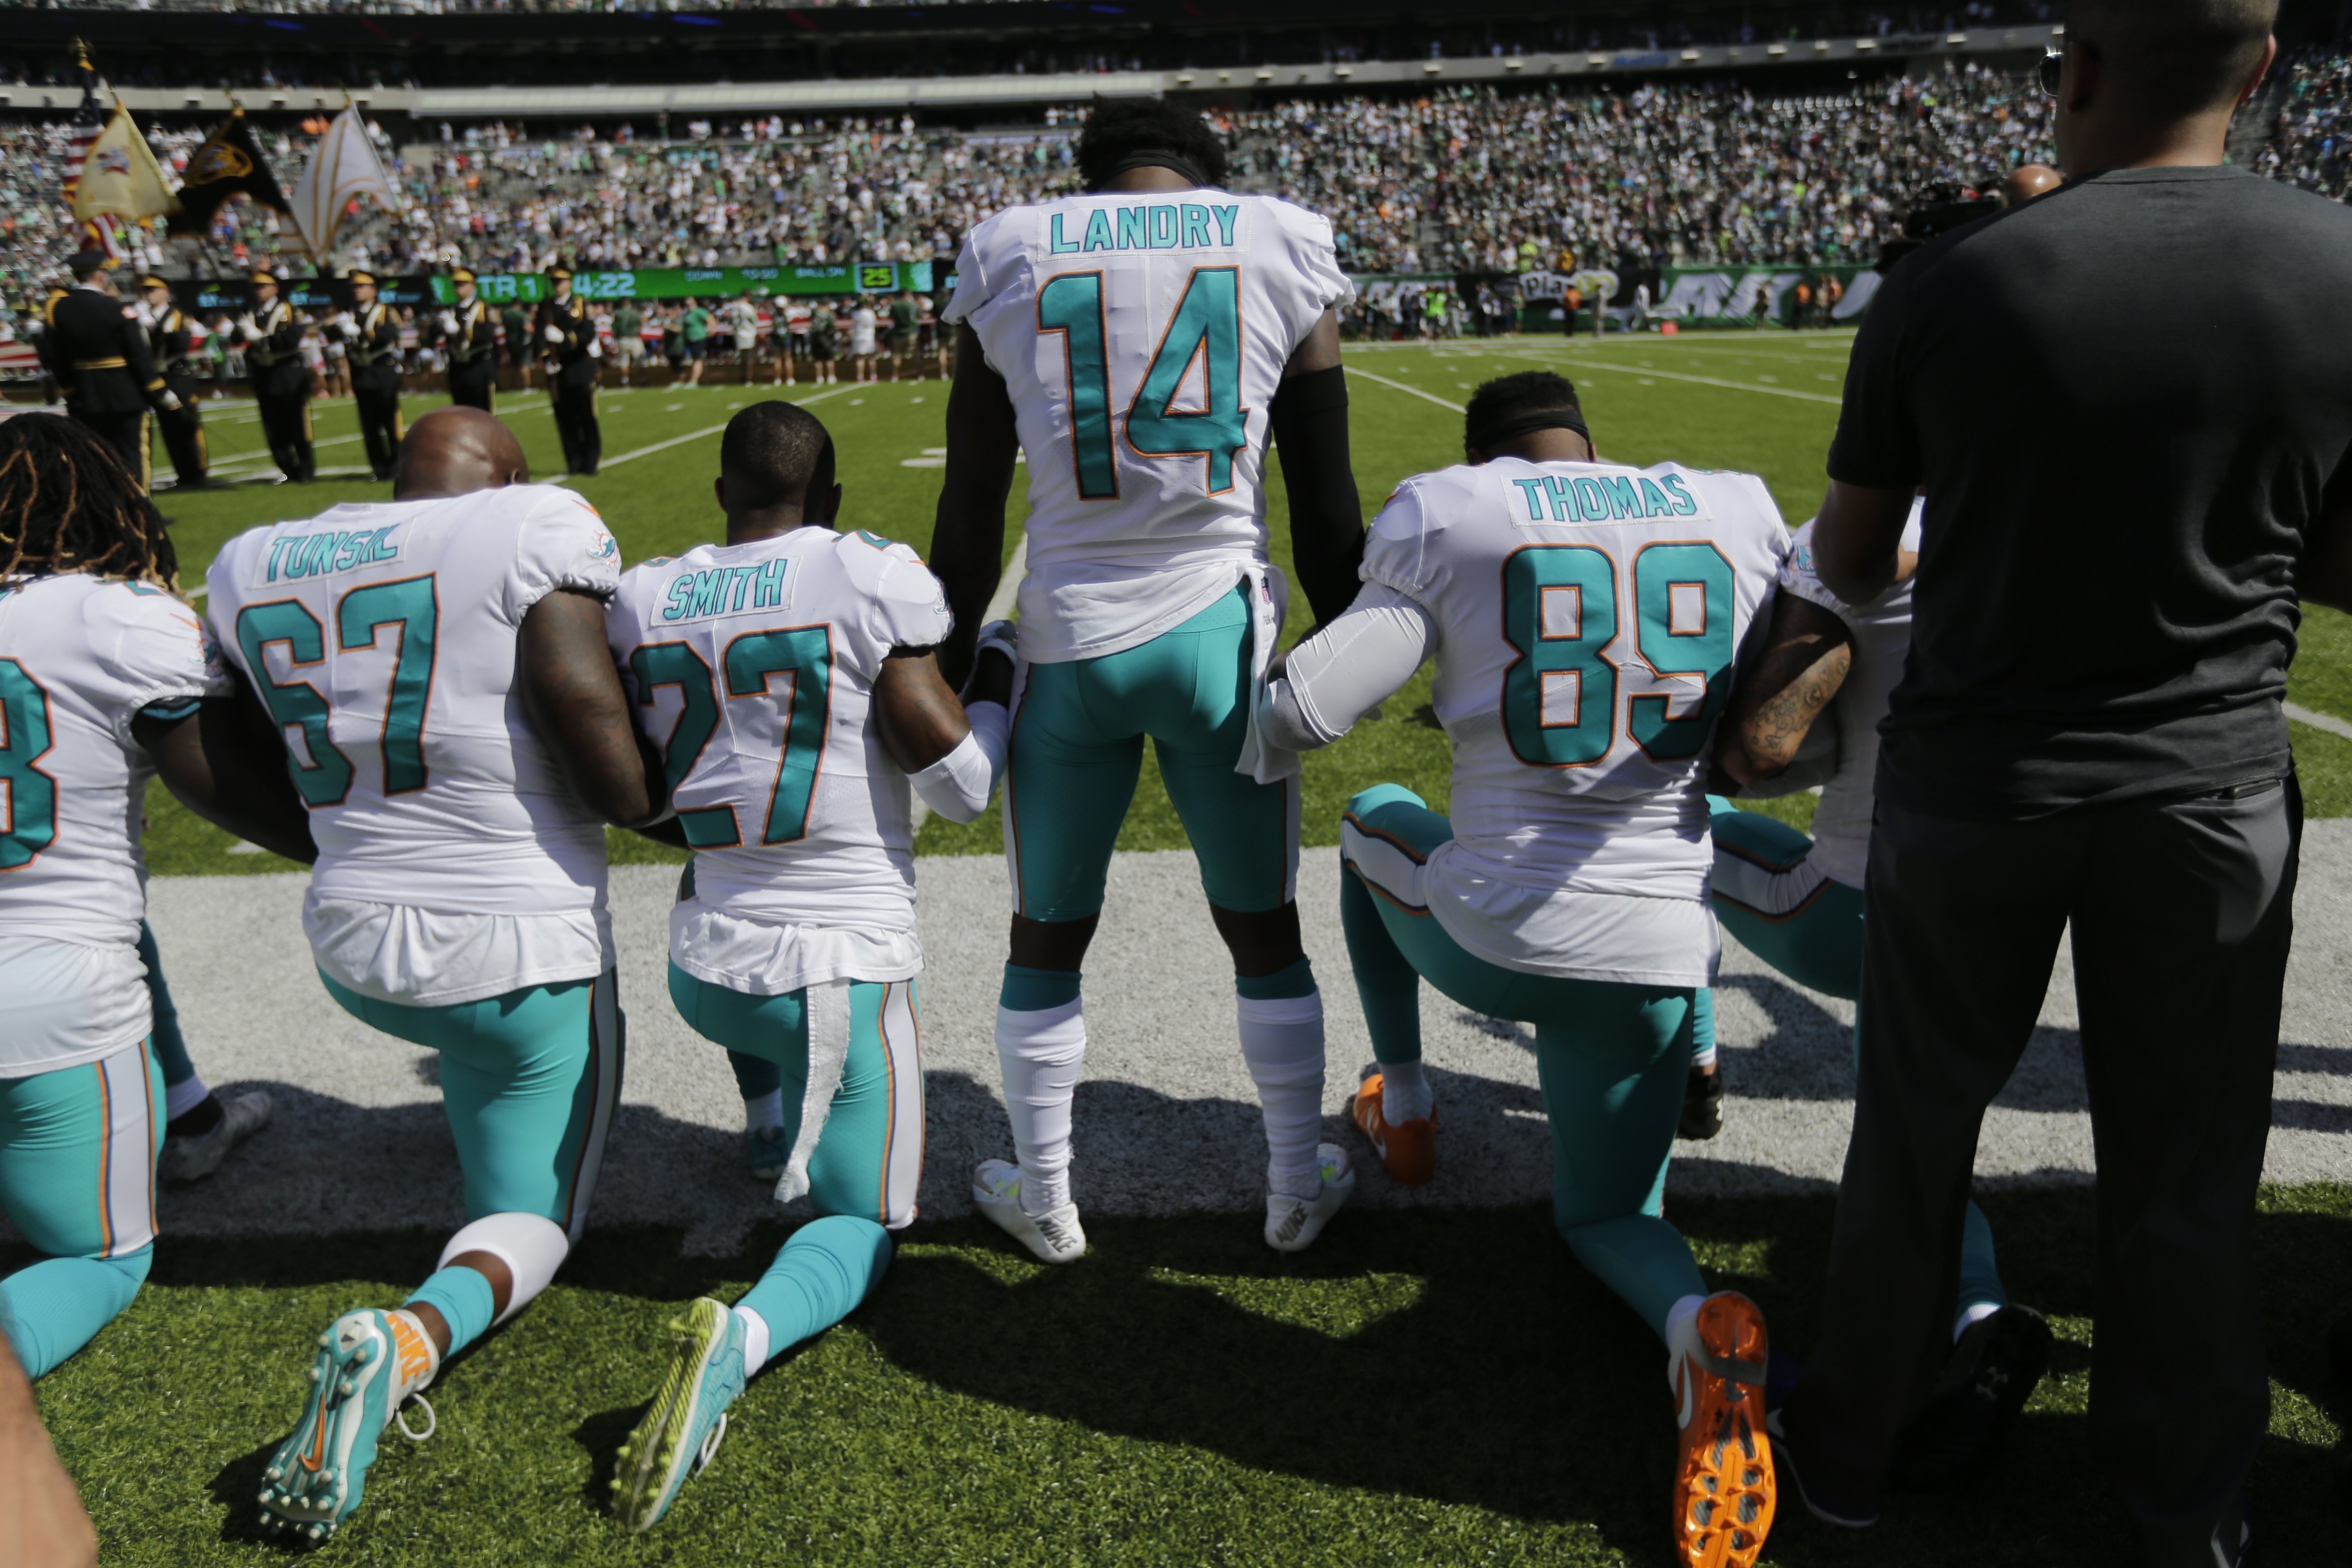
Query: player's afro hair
[773,454]
[1120,128]
[1512,404]
[67,503]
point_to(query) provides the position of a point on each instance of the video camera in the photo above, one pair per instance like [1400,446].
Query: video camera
[1947,207]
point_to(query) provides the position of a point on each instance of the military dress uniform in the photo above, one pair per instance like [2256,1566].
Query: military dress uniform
[98,352]
[169,342]
[472,347]
[372,348]
[567,338]
[281,385]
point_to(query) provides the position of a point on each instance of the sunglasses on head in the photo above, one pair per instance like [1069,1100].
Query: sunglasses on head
[2047,71]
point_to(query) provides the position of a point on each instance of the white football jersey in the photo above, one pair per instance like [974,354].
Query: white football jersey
[1882,642]
[754,667]
[1142,337]
[1589,617]
[80,656]
[382,638]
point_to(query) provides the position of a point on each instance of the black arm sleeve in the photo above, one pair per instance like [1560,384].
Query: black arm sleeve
[1310,419]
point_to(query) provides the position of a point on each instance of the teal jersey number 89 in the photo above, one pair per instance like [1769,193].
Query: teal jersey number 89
[31,815]
[412,606]
[1206,327]
[1561,610]
[752,661]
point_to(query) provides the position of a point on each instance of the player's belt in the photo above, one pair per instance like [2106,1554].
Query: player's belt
[117,363]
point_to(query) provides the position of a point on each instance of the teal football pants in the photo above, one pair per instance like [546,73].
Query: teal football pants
[78,1179]
[819,1276]
[528,1081]
[171,1045]
[1809,927]
[1610,1058]
[868,1159]
[1077,750]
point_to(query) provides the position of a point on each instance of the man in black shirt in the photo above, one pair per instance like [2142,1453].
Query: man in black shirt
[2120,517]
[98,352]
[281,380]
[469,340]
[575,360]
[371,346]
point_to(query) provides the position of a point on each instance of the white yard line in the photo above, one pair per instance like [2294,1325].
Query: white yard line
[682,440]
[1696,379]
[2327,721]
[1401,387]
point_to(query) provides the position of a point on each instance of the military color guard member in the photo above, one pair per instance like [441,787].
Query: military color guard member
[470,337]
[372,347]
[272,331]
[98,352]
[169,342]
[574,361]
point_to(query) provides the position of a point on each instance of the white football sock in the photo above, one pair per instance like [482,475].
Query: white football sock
[768,1110]
[185,1096]
[1405,1094]
[1682,1335]
[1705,1059]
[1042,1056]
[532,1246]
[1282,1042]
[1970,1318]
[755,1339]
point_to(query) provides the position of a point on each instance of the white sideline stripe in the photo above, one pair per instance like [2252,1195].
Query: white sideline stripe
[1417,391]
[682,440]
[2327,721]
[1699,380]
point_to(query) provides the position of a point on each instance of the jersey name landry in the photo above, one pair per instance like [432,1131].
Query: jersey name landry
[1156,225]
[1608,498]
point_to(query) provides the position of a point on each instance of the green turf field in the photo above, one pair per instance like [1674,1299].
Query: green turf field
[1427,1386]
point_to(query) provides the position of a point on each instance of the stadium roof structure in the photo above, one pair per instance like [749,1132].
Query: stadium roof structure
[877,94]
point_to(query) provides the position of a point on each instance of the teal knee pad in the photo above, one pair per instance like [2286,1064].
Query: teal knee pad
[1037,990]
[465,1301]
[1365,802]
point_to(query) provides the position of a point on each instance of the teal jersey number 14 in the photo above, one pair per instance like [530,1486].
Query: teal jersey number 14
[1206,329]
[1561,609]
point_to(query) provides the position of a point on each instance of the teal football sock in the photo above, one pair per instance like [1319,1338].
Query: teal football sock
[1979,1271]
[1297,979]
[819,1278]
[1703,1027]
[1644,1259]
[1386,984]
[53,1308]
[1037,990]
[462,1298]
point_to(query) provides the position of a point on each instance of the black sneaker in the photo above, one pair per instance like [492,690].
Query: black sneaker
[1994,1370]
[1701,1116]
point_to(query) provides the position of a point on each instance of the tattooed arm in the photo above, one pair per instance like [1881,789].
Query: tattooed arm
[1804,659]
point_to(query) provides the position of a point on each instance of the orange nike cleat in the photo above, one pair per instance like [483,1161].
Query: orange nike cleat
[1724,1489]
[1409,1149]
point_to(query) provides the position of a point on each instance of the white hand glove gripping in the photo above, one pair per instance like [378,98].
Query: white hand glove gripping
[959,785]
[555,334]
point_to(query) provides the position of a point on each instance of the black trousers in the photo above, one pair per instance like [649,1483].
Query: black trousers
[2182,916]
[126,433]
[575,424]
[472,383]
[286,425]
[380,426]
[183,438]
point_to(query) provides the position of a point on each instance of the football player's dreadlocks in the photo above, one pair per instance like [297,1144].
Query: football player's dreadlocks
[67,503]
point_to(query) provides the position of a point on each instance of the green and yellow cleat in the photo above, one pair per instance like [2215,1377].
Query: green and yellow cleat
[687,1419]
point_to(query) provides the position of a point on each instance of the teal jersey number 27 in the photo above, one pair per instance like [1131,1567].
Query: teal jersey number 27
[30,817]
[1206,329]
[1562,608]
[753,663]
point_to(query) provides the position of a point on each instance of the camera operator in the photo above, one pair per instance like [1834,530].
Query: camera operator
[2119,522]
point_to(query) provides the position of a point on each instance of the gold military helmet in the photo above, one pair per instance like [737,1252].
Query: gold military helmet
[263,275]
[461,275]
[560,272]
[355,276]
[151,281]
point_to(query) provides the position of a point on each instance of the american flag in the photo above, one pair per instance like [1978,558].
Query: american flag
[87,122]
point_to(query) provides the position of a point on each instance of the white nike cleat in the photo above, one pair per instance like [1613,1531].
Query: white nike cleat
[1055,1235]
[1293,1224]
[194,1158]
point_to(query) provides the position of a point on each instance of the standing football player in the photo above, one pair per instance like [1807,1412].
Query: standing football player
[107,678]
[792,673]
[1142,343]
[1585,618]
[436,666]
[1795,902]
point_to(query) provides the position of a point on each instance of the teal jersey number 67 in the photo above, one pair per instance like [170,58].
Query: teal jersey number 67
[322,771]
[1562,606]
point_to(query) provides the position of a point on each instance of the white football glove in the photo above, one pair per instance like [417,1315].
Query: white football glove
[555,334]
[171,401]
[595,348]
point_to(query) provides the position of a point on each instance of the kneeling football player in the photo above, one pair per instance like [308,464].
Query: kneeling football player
[436,666]
[1585,619]
[108,678]
[791,676]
